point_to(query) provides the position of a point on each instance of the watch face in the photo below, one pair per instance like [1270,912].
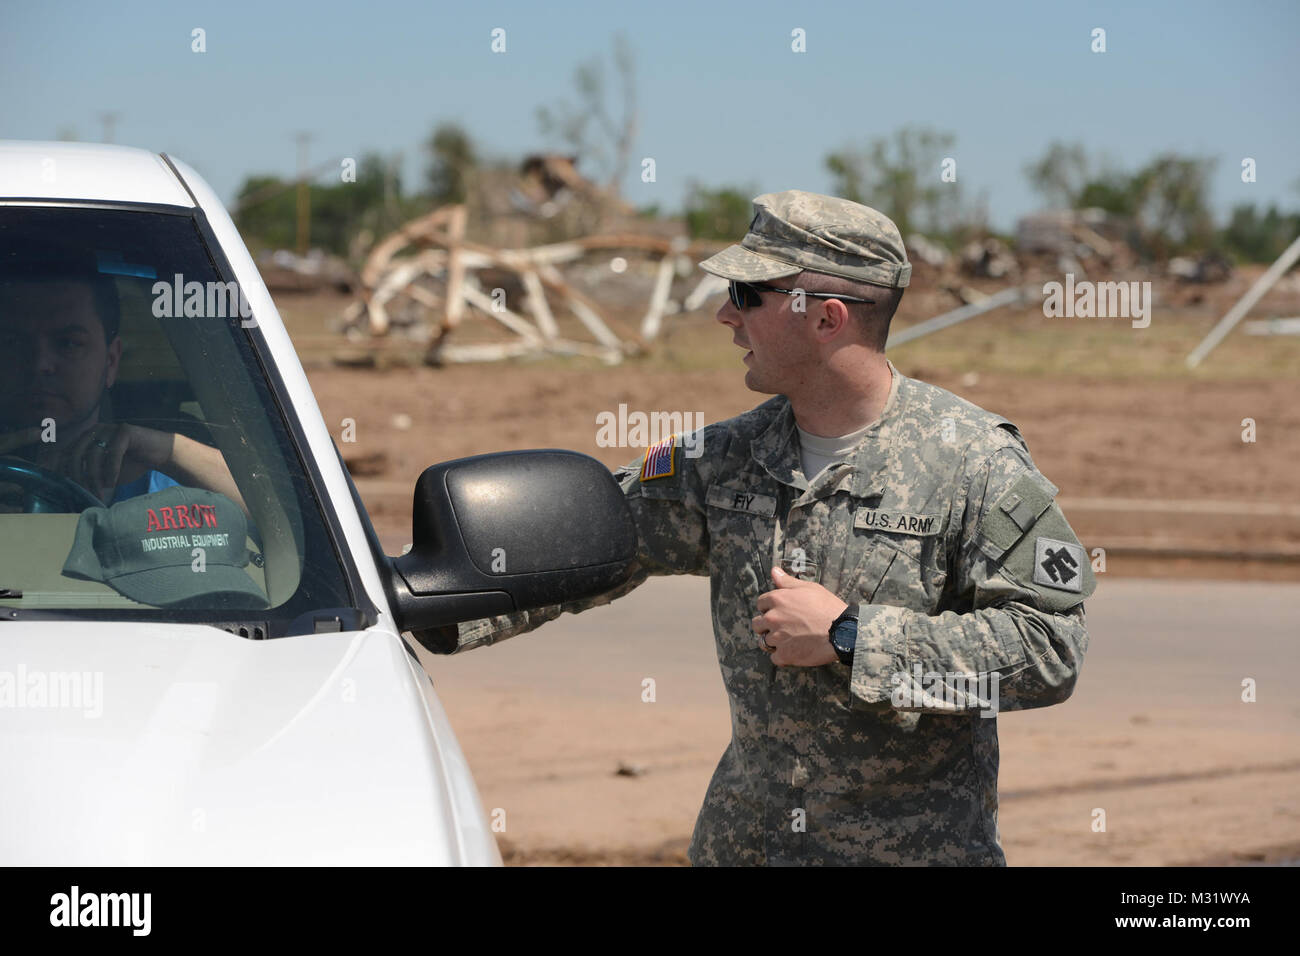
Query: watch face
[845,636]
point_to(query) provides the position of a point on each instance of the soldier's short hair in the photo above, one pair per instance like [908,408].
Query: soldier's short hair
[873,320]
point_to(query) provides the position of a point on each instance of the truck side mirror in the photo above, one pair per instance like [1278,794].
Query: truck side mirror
[507,532]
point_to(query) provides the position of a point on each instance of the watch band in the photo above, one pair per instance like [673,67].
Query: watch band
[843,635]
[849,612]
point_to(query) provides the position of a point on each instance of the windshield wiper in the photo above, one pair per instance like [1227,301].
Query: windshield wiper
[10,593]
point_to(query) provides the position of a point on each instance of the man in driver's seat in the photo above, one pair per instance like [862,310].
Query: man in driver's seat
[59,354]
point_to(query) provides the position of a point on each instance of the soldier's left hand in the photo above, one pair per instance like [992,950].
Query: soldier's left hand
[795,621]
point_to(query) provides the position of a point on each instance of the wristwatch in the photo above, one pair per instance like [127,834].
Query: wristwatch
[844,634]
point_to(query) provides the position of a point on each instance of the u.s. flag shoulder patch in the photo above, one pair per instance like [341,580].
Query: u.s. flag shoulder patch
[659,459]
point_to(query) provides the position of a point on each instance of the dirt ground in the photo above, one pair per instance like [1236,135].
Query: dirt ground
[1154,472]
[1151,464]
[584,770]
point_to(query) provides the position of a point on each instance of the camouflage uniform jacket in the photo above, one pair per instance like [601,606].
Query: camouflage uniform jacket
[948,538]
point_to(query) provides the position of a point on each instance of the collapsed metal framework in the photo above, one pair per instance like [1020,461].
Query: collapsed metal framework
[442,253]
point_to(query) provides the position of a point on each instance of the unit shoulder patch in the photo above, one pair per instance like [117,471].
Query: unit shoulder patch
[1059,564]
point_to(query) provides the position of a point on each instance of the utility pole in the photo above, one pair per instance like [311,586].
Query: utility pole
[1245,303]
[304,195]
[390,182]
[110,121]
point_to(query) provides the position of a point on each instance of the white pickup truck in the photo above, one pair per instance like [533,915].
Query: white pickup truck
[202,657]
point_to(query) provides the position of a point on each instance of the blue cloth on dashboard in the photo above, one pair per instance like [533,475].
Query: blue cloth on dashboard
[146,484]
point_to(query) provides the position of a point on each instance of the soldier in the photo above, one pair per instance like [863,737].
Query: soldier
[889,568]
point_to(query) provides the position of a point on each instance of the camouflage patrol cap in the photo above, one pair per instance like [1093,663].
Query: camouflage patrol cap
[796,230]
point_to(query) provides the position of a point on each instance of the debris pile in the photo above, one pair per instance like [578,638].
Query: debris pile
[1080,241]
[427,276]
[989,259]
[285,271]
[1212,266]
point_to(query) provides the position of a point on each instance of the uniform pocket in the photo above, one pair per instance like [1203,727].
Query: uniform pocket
[873,570]
[741,526]
[903,571]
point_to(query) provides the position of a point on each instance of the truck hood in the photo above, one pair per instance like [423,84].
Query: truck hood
[163,744]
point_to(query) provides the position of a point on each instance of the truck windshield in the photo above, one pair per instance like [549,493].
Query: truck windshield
[145,466]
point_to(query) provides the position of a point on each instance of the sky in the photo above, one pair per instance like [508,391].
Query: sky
[723,99]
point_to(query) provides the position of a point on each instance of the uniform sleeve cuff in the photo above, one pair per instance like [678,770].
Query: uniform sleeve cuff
[472,634]
[879,653]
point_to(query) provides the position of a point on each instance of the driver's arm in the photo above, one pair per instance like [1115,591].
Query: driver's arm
[196,464]
[112,454]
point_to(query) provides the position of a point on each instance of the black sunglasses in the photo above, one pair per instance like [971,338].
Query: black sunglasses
[750,294]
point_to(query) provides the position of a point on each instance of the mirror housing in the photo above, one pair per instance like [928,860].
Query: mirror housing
[496,534]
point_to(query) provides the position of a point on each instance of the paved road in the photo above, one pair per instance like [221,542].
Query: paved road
[1156,735]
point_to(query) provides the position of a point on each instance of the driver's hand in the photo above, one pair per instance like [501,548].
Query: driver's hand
[107,455]
[11,442]
[11,495]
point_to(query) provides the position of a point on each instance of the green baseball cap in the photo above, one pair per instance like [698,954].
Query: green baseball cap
[143,548]
[796,230]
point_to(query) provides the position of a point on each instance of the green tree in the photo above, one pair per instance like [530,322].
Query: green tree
[1067,178]
[1113,192]
[1253,237]
[1167,199]
[1172,194]
[590,129]
[453,161]
[266,210]
[900,177]
[1061,175]
[723,213]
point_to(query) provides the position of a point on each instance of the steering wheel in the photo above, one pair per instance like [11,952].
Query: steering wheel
[45,491]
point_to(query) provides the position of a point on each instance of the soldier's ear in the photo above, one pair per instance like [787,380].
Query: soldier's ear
[833,312]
